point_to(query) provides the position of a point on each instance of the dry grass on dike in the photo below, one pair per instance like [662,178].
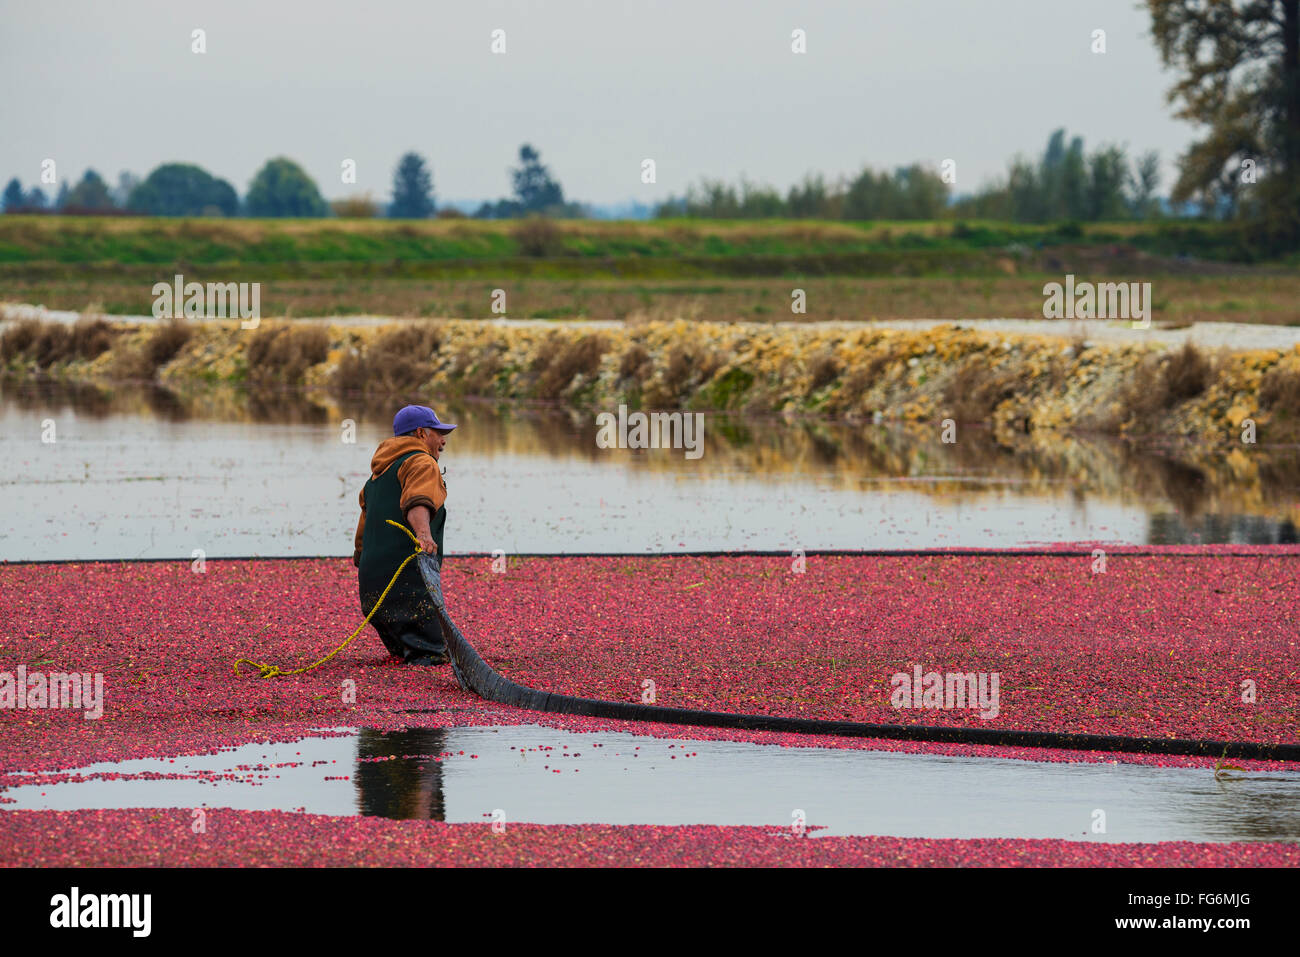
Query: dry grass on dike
[398,361]
[978,387]
[282,353]
[1162,381]
[395,362]
[51,343]
[140,361]
[1166,380]
[560,359]
[1279,393]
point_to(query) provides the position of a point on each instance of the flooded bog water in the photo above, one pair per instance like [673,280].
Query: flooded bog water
[535,774]
[89,474]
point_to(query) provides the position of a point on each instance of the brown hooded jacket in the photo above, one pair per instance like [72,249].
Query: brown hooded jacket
[419,477]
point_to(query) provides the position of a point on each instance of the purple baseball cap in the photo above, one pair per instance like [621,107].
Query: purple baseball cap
[412,417]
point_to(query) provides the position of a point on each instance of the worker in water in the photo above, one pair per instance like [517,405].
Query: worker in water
[405,485]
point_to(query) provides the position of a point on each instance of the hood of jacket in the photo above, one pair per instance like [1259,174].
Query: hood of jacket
[390,450]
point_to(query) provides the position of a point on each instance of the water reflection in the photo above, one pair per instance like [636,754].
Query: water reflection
[545,776]
[396,775]
[1258,807]
[926,493]
[1170,529]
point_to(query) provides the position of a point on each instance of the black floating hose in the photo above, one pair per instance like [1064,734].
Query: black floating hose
[476,675]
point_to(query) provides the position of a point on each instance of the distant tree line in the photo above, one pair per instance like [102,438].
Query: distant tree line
[1064,184]
[912,192]
[282,188]
[1068,184]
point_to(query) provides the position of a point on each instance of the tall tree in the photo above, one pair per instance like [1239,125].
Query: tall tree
[182,189]
[1026,193]
[535,188]
[282,188]
[1065,184]
[1239,62]
[36,199]
[412,189]
[1108,175]
[13,198]
[1063,177]
[813,199]
[922,193]
[89,194]
[1143,182]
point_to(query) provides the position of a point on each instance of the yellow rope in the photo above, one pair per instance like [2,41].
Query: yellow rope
[273,671]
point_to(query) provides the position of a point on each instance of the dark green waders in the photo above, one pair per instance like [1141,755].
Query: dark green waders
[407,621]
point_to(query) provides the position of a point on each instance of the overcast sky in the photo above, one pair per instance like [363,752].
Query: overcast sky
[704,88]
